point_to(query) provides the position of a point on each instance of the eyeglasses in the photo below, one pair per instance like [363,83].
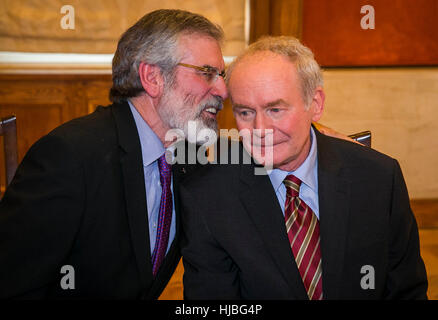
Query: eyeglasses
[211,74]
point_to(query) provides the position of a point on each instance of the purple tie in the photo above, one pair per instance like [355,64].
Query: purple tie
[164,216]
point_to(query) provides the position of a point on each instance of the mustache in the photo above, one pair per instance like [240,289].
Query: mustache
[215,101]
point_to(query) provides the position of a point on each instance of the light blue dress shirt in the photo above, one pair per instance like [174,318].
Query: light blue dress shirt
[151,149]
[307,173]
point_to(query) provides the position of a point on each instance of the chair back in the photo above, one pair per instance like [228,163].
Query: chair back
[363,137]
[8,129]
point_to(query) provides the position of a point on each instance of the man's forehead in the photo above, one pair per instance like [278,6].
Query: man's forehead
[261,69]
[201,50]
[265,61]
[262,80]
[265,105]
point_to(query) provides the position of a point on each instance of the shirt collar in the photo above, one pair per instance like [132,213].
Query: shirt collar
[306,172]
[151,146]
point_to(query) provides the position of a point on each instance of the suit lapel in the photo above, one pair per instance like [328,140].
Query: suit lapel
[180,172]
[181,169]
[333,193]
[134,187]
[260,201]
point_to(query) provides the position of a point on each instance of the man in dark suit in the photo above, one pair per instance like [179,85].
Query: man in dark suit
[331,220]
[93,210]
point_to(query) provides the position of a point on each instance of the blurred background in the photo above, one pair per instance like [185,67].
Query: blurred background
[379,57]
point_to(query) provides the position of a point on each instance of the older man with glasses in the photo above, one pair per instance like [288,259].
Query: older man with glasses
[93,210]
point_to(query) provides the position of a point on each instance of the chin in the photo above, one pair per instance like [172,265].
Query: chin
[201,132]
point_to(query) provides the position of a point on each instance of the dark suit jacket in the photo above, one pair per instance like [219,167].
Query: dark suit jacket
[78,198]
[235,243]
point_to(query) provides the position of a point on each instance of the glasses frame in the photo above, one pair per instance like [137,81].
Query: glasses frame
[206,69]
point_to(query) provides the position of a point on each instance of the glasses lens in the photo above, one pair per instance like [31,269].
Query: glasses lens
[210,76]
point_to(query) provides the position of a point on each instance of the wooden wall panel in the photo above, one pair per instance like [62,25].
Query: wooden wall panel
[225,118]
[275,18]
[259,19]
[33,121]
[405,32]
[41,102]
[286,17]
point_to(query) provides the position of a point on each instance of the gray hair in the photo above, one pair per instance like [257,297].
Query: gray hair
[154,40]
[308,70]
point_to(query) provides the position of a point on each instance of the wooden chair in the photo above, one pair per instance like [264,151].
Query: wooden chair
[363,137]
[8,130]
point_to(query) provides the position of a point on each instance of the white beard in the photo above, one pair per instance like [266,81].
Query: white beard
[176,114]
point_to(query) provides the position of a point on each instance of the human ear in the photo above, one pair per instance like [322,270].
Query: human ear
[151,79]
[317,104]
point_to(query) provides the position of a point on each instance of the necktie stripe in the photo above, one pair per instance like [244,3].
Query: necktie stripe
[293,184]
[291,217]
[316,279]
[290,222]
[297,206]
[312,270]
[303,232]
[298,234]
[307,256]
[305,243]
[288,212]
[310,262]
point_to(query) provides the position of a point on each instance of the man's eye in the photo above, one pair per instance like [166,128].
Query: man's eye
[245,114]
[209,76]
[274,111]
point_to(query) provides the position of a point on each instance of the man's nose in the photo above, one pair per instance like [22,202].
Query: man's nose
[219,88]
[260,125]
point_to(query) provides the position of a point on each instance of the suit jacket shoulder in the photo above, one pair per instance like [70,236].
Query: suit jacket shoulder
[96,131]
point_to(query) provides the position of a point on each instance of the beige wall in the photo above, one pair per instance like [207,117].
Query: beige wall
[34,26]
[400,107]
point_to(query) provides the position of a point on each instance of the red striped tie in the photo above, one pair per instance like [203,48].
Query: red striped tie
[303,231]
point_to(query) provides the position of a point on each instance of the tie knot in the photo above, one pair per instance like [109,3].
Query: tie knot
[292,184]
[164,167]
